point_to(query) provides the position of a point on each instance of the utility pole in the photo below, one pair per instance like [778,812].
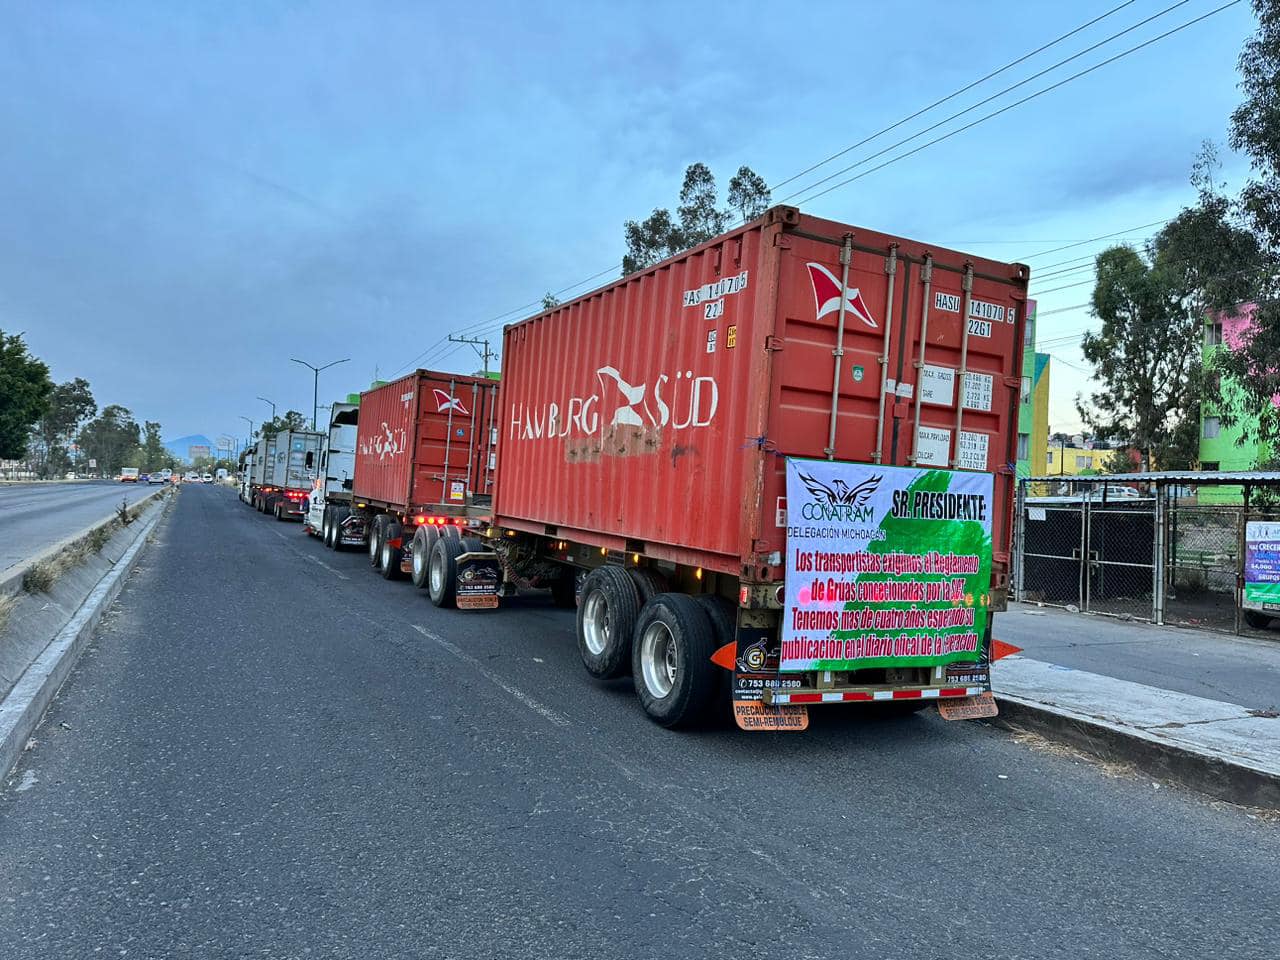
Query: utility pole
[250,422]
[315,385]
[485,354]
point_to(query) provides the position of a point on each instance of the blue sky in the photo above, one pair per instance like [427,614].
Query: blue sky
[193,193]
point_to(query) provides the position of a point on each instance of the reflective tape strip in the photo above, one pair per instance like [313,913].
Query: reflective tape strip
[849,696]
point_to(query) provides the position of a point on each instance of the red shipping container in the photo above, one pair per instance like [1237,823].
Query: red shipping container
[653,415]
[425,441]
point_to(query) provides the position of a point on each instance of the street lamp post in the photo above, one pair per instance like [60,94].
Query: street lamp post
[315,386]
[273,406]
[250,422]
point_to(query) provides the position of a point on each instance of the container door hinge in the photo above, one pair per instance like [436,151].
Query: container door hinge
[773,343]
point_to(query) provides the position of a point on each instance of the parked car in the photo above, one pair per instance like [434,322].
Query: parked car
[206,478]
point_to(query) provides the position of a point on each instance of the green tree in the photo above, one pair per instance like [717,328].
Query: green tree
[748,194]
[24,394]
[70,405]
[1255,131]
[154,455]
[550,300]
[113,439]
[1145,358]
[292,420]
[1119,460]
[698,216]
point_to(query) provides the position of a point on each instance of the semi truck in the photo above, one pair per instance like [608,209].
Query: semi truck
[773,472]
[424,467]
[285,468]
[329,504]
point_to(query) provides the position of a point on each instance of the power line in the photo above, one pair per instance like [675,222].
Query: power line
[1026,99]
[1118,233]
[951,96]
[981,103]
[940,139]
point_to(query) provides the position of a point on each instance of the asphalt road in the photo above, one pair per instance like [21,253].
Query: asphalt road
[269,752]
[34,516]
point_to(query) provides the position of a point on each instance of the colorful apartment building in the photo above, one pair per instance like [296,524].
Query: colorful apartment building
[1221,446]
[1033,408]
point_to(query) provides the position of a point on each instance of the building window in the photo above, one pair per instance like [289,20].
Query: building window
[1024,445]
[1026,390]
[1050,458]
[1084,463]
[1210,465]
[1212,427]
[1212,334]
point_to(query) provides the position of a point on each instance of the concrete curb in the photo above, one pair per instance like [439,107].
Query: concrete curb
[22,709]
[11,577]
[1218,775]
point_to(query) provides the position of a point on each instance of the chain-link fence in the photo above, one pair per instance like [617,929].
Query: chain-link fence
[1157,555]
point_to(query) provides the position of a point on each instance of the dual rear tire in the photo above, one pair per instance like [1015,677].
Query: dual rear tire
[664,640]
[442,567]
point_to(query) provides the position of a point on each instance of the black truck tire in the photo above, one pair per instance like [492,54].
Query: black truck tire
[607,612]
[1257,619]
[442,576]
[335,526]
[375,538]
[564,589]
[675,679]
[424,538]
[389,556]
[649,582]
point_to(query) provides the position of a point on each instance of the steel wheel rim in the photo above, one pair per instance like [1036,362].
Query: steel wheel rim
[437,574]
[386,557]
[418,561]
[373,543]
[595,623]
[658,659]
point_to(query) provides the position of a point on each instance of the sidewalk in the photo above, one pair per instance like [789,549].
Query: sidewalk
[1189,705]
[1216,666]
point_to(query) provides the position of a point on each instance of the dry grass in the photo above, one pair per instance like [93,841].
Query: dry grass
[41,577]
[1128,771]
[6,607]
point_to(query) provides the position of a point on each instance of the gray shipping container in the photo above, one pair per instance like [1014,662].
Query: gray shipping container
[264,463]
[296,459]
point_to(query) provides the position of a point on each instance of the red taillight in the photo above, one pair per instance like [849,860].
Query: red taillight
[420,520]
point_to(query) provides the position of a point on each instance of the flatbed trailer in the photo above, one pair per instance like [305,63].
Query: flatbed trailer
[772,472]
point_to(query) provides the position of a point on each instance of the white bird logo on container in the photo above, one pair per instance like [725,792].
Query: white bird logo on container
[445,402]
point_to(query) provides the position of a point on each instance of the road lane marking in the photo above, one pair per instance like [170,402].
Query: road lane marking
[337,573]
[546,712]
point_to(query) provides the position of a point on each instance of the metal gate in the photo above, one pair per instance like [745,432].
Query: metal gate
[1087,555]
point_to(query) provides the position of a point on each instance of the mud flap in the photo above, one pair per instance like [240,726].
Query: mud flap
[479,581]
[971,674]
[755,669]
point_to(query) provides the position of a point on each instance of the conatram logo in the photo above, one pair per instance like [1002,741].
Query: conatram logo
[839,501]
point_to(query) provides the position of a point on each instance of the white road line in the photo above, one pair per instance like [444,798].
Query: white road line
[546,712]
[337,573]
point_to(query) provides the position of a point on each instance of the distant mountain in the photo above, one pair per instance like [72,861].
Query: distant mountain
[188,448]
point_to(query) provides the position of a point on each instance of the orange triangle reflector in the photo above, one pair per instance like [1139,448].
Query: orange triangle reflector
[726,655]
[1001,649]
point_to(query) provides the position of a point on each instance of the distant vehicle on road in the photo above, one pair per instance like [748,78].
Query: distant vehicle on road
[144,478]
[191,477]
[157,478]
[206,478]
[129,474]
[284,472]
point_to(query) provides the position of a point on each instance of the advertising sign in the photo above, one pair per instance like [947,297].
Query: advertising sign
[1262,565]
[886,566]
